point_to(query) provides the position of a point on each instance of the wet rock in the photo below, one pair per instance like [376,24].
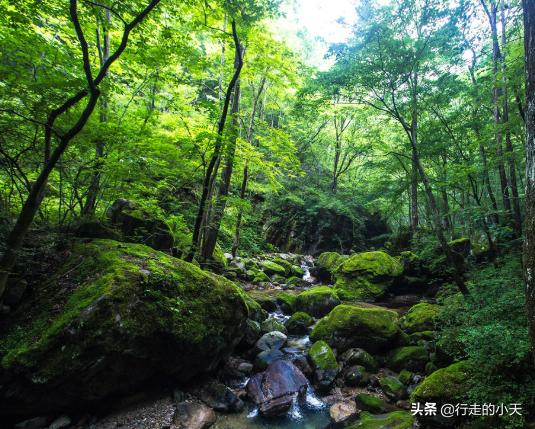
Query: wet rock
[274,390]
[392,387]
[219,397]
[324,363]
[356,375]
[372,403]
[265,358]
[60,422]
[317,301]
[343,413]
[302,363]
[194,415]
[299,323]
[357,356]
[413,358]
[271,325]
[271,340]
[35,423]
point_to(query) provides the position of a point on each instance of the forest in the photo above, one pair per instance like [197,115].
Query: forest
[276,214]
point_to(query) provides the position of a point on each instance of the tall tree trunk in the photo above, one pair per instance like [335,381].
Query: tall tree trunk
[414,185]
[214,223]
[492,10]
[517,216]
[211,171]
[529,242]
[488,185]
[245,177]
[104,54]
[92,93]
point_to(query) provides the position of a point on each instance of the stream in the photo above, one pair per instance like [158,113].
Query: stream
[308,412]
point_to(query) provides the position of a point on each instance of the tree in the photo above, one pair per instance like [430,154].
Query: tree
[51,158]
[529,243]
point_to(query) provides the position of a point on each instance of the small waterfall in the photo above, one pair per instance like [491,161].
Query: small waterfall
[306,264]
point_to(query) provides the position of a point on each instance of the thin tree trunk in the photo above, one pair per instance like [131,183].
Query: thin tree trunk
[529,242]
[414,187]
[214,223]
[517,216]
[37,192]
[245,177]
[104,54]
[211,171]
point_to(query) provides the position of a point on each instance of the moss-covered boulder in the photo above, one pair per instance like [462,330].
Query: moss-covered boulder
[413,358]
[365,326]
[394,420]
[392,387]
[359,356]
[326,265]
[286,300]
[372,403]
[272,324]
[420,317]
[324,364]
[317,301]
[366,276]
[270,268]
[115,316]
[445,385]
[299,323]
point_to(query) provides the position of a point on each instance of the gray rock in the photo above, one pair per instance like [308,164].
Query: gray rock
[267,357]
[219,397]
[342,413]
[194,415]
[271,340]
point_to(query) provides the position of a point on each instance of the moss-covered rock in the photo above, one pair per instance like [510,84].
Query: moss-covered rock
[371,403]
[260,277]
[317,301]
[270,268]
[115,316]
[445,385]
[272,324]
[357,326]
[461,246]
[392,387]
[326,265]
[299,323]
[366,276]
[286,300]
[420,317]
[324,363]
[394,420]
[405,376]
[413,358]
[358,356]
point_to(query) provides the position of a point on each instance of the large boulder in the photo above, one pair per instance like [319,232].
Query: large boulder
[275,389]
[317,301]
[420,317]
[140,225]
[324,363]
[115,316]
[347,326]
[326,265]
[299,323]
[366,275]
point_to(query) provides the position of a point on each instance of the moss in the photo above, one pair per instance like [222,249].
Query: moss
[299,323]
[317,301]
[287,301]
[330,261]
[272,324]
[412,357]
[371,403]
[445,385]
[394,420]
[392,387]
[270,267]
[405,377]
[261,277]
[375,264]
[293,281]
[359,326]
[360,357]
[421,336]
[297,271]
[420,317]
[366,275]
[322,356]
[107,295]
[285,264]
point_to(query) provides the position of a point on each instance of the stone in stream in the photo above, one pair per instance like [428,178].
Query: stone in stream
[372,403]
[392,387]
[342,413]
[275,389]
[357,356]
[324,363]
[272,324]
[317,301]
[356,375]
[299,323]
[193,415]
[271,340]
[266,357]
